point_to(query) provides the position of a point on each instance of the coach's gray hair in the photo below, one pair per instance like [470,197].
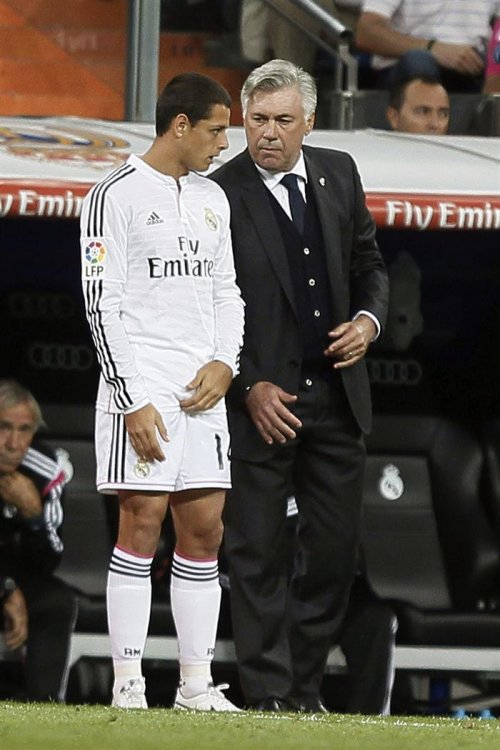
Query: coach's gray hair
[13,393]
[277,74]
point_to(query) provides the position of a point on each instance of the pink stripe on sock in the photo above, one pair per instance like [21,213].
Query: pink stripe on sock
[194,559]
[134,554]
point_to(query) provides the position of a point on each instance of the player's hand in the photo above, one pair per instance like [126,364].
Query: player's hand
[266,404]
[16,620]
[20,491]
[143,427]
[209,385]
[350,341]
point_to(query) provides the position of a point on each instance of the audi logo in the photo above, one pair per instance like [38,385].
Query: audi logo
[394,371]
[50,356]
[34,305]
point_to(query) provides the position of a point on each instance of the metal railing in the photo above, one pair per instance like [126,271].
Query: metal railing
[143,47]
[335,37]
[143,53]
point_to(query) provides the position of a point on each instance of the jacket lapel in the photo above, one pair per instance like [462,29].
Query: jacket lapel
[256,199]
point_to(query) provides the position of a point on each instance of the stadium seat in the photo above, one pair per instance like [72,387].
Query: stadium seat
[429,544]
[491,447]
[430,548]
[87,543]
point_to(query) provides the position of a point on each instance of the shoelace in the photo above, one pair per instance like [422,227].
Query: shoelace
[215,691]
[219,688]
[133,690]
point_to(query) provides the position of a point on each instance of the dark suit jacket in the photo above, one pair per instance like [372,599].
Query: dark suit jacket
[272,345]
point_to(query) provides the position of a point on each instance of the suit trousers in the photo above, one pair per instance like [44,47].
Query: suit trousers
[367,641]
[284,625]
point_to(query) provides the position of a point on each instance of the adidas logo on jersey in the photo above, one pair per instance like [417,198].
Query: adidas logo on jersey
[154,219]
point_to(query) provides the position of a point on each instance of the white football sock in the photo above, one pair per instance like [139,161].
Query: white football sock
[195,596]
[129,608]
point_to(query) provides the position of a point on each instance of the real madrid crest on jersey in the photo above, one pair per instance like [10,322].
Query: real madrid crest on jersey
[211,219]
[142,468]
[390,484]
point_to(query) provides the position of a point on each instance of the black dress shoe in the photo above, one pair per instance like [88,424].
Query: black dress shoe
[308,704]
[270,704]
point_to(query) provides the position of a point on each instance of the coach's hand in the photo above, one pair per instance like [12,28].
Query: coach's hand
[351,341]
[143,427]
[266,404]
[209,385]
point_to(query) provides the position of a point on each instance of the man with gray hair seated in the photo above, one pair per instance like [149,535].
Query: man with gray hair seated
[39,611]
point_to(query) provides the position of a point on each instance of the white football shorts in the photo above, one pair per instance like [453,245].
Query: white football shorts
[197,455]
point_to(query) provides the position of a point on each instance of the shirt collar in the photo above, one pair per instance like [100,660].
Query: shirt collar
[271,179]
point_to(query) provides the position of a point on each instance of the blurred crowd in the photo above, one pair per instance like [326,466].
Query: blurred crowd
[460,40]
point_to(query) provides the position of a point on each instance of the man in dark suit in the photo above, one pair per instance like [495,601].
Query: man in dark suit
[315,289]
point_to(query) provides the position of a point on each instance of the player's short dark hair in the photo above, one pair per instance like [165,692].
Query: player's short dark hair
[398,92]
[191,94]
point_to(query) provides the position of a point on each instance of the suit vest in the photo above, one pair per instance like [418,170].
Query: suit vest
[307,263]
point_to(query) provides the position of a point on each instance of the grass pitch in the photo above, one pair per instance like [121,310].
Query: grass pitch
[54,727]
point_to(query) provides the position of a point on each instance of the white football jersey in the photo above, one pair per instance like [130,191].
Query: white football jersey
[159,284]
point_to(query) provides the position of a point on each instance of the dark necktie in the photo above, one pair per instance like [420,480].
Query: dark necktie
[297,202]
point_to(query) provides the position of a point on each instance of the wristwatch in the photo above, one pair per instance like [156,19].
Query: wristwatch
[7,586]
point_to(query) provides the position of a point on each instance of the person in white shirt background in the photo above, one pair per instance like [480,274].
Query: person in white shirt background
[454,33]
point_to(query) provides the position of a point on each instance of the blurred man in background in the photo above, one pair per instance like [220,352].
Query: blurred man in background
[39,611]
[419,105]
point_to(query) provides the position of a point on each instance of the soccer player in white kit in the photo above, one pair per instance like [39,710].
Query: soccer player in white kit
[166,318]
